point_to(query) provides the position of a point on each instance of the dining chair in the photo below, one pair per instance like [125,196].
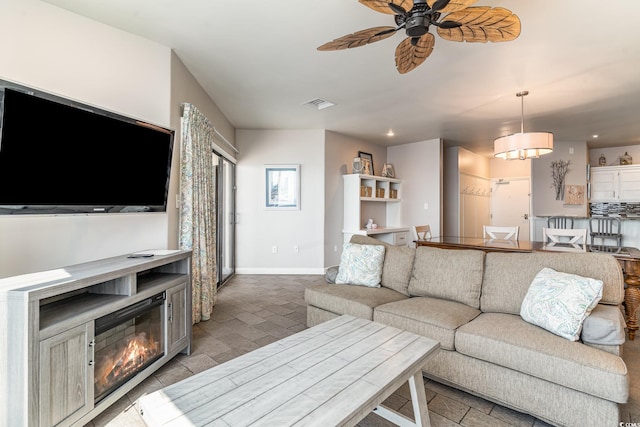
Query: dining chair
[559,222]
[602,230]
[565,239]
[502,233]
[421,232]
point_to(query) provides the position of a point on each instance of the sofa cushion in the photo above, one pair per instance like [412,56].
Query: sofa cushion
[604,326]
[451,274]
[434,318]
[398,263]
[507,276]
[361,265]
[357,301]
[509,341]
[559,302]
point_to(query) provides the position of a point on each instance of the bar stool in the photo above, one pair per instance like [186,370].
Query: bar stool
[603,230]
[559,222]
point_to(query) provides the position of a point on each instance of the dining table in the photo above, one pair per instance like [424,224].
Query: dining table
[627,257]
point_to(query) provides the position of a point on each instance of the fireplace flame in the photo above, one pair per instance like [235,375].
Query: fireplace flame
[115,365]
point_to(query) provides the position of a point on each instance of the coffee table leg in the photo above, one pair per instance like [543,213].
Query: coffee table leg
[419,402]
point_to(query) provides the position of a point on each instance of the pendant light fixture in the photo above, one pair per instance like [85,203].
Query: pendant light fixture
[521,146]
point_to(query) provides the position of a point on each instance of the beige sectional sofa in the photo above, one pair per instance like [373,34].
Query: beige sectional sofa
[470,302]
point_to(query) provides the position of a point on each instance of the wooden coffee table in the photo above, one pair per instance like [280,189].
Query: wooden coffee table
[332,374]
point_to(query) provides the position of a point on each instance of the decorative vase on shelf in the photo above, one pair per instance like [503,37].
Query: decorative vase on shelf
[602,161]
[357,165]
[626,159]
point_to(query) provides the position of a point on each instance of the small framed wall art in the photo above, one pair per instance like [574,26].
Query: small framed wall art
[282,187]
[367,163]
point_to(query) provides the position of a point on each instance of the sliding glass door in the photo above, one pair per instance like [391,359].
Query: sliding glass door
[225,181]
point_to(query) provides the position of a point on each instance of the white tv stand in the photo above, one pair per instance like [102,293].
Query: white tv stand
[47,333]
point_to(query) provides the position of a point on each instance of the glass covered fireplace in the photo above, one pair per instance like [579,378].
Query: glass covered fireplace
[126,342]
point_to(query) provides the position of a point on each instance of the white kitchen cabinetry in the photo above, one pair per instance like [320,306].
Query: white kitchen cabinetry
[363,199]
[615,184]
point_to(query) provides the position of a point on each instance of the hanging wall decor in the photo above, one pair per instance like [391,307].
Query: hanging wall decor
[559,169]
[574,195]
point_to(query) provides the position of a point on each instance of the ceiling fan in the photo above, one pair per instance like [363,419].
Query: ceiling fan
[462,23]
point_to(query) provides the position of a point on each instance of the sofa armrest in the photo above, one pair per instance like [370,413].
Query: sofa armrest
[604,326]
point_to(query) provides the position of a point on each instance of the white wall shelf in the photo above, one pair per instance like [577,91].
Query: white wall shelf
[382,208]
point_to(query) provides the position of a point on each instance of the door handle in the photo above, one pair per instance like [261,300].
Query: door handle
[525,216]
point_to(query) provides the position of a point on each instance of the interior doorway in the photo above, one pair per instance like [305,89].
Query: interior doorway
[225,182]
[511,204]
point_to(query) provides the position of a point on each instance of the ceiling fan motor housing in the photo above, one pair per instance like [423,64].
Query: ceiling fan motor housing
[417,26]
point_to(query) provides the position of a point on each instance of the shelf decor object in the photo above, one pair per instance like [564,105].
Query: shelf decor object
[357,165]
[559,170]
[521,146]
[367,161]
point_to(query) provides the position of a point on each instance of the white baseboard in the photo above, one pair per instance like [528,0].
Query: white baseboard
[280,271]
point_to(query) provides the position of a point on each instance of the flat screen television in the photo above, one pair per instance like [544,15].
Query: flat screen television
[58,156]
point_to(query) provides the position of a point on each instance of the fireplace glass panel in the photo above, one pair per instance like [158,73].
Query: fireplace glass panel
[126,343]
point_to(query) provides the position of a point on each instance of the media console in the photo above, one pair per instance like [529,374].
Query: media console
[55,350]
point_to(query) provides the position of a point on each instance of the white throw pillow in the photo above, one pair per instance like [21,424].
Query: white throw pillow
[361,265]
[559,302]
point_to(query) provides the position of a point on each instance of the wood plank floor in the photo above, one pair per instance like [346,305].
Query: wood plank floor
[255,310]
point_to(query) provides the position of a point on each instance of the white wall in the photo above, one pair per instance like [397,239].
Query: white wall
[544,201]
[339,153]
[59,52]
[258,230]
[419,166]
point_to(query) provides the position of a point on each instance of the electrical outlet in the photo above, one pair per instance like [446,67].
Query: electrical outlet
[274,249]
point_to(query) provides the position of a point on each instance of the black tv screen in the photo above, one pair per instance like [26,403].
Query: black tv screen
[58,156]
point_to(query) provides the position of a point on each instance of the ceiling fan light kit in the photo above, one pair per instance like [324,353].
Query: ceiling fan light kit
[462,24]
[521,146]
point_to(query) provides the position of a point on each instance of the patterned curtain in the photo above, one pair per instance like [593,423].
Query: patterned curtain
[198,211]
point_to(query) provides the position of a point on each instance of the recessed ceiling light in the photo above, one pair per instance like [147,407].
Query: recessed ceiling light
[390,133]
[594,136]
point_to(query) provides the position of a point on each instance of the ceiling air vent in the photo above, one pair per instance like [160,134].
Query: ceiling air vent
[319,104]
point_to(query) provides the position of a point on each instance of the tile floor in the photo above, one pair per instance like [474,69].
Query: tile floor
[255,310]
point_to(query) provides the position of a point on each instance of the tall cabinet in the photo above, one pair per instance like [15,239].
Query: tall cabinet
[377,198]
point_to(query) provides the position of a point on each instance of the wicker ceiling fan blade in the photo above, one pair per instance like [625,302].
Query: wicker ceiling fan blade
[412,52]
[359,38]
[453,6]
[481,25]
[383,6]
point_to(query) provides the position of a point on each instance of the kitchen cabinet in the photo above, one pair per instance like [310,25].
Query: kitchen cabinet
[615,184]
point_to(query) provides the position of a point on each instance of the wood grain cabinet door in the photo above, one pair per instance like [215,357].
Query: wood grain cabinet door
[177,317]
[66,376]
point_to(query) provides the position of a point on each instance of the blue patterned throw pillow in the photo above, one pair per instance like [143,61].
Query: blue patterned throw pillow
[361,265]
[559,302]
